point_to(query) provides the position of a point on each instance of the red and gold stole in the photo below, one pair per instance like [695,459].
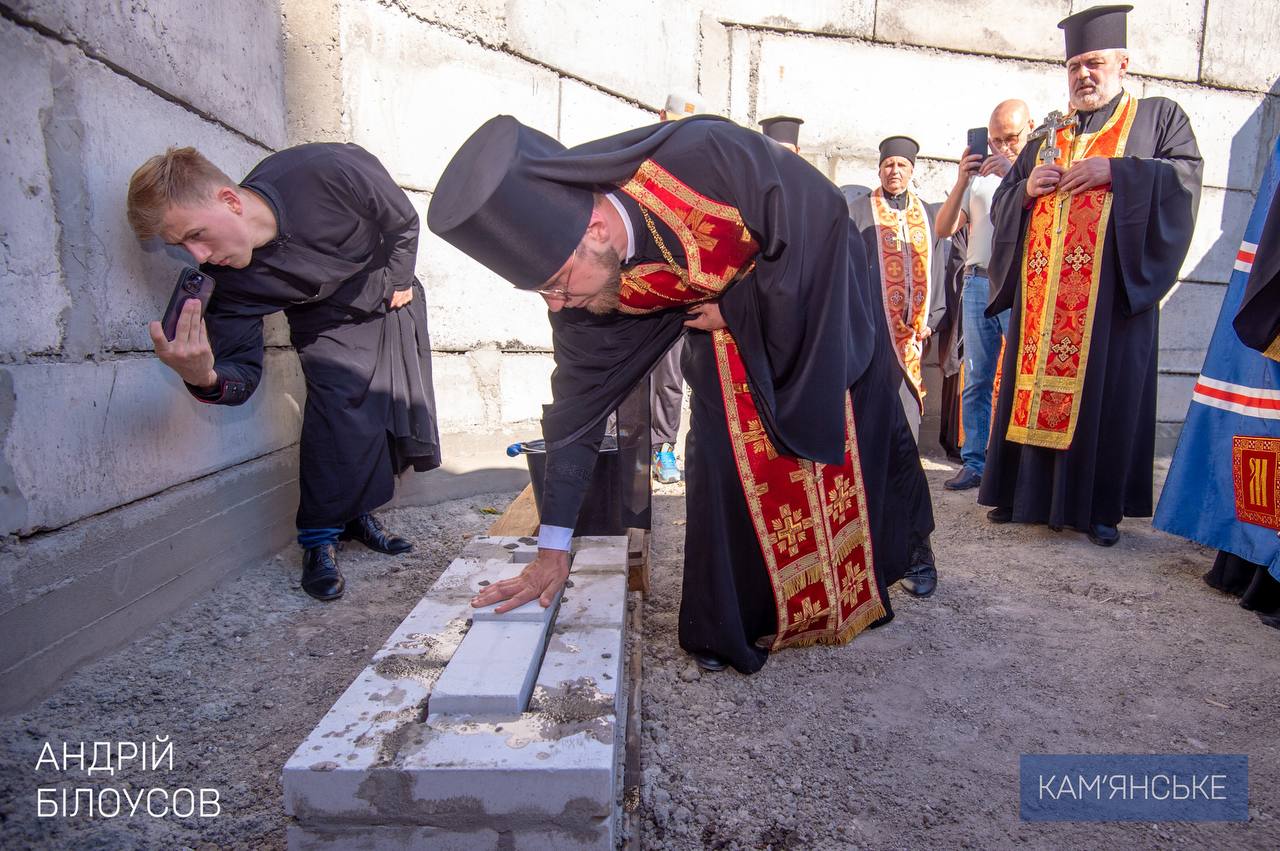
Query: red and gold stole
[810,519]
[905,241]
[1061,263]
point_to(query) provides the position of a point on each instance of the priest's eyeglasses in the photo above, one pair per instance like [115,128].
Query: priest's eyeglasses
[562,293]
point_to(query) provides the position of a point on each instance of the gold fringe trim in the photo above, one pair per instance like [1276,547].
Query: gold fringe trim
[801,581]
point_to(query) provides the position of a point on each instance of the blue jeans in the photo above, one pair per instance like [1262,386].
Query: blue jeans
[982,336]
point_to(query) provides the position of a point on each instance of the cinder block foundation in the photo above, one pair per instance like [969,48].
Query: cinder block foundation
[469,732]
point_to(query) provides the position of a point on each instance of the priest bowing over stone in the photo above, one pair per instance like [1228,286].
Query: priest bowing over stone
[803,483]
[1091,227]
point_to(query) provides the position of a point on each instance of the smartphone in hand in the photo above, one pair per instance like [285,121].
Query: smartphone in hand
[192,283]
[977,141]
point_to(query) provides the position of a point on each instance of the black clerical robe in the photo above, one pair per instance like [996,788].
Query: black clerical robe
[347,239]
[912,292]
[1104,472]
[806,319]
[949,344]
[1258,321]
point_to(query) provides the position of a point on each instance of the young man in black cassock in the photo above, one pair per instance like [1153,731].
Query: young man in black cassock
[803,479]
[1091,227]
[323,233]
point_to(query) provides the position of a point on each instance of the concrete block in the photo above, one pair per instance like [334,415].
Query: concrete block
[715,69]
[434,88]
[1021,29]
[1233,130]
[312,61]
[583,667]
[109,126]
[1187,321]
[493,671]
[1164,36]
[828,17]
[587,114]
[593,599]
[525,385]
[468,306]
[492,546]
[484,19]
[805,76]
[85,437]
[606,43]
[743,61]
[374,776]
[600,554]
[475,462]
[1241,43]
[30,278]
[89,588]
[1173,395]
[460,402]
[1220,226]
[238,80]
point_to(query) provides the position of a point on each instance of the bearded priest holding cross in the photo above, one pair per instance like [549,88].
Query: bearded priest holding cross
[1091,228]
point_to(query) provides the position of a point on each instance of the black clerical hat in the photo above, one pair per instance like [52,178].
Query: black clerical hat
[490,204]
[782,128]
[899,146]
[1098,28]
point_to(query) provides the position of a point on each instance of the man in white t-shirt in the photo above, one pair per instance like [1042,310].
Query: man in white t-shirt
[970,204]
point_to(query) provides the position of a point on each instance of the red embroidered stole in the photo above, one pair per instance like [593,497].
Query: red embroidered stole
[1061,264]
[810,519]
[905,268]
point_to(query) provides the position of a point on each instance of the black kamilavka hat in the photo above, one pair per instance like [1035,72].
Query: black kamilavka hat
[1098,28]
[490,204]
[899,146]
[782,128]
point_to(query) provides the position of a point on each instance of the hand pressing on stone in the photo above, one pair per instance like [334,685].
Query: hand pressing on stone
[541,580]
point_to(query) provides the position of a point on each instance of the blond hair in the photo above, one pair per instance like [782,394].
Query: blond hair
[178,177]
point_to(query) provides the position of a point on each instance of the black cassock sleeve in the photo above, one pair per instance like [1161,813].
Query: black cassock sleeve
[235,334]
[1258,321]
[1154,208]
[373,192]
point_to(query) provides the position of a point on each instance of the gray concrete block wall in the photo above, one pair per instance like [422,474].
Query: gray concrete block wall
[121,497]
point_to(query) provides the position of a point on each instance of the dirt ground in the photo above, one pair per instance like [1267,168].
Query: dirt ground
[908,737]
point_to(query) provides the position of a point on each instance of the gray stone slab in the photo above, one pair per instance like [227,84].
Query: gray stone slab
[377,773]
[493,671]
[594,599]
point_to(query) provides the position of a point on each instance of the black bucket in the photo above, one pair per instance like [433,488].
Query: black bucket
[618,498]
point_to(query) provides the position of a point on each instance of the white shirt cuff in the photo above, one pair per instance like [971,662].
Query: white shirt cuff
[555,537]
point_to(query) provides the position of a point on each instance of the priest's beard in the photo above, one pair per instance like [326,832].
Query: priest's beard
[609,297]
[1095,98]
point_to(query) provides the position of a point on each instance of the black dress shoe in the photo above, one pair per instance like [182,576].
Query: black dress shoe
[320,575]
[1103,535]
[1000,515]
[709,663]
[921,579]
[963,480]
[367,530]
